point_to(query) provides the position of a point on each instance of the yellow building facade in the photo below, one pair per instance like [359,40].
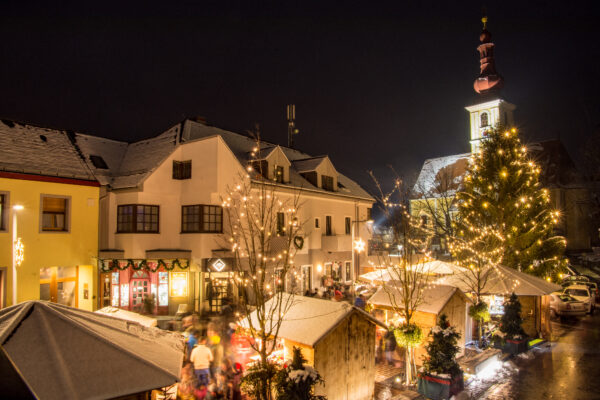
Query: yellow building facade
[58,226]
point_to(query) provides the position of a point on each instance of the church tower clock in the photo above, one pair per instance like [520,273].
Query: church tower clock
[489,109]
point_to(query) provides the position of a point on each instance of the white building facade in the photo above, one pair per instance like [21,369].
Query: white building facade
[162,224]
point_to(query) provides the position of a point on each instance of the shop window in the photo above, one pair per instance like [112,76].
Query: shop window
[125,295]
[182,169]
[163,289]
[3,211]
[54,213]
[327,183]
[278,174]
[179,284]
[328,225]
[201,219]
[280,224]
[137,218]
[348,225]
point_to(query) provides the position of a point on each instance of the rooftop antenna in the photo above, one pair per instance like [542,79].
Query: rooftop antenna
[292,130]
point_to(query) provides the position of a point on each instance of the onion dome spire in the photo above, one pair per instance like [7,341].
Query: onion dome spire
[488,80]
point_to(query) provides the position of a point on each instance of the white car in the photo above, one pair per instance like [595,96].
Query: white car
[581,293]
[563,305]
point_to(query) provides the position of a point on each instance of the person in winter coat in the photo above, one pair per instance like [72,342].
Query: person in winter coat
[201,357]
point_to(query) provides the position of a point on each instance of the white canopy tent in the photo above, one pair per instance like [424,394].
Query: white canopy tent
[382,275]
[501,281]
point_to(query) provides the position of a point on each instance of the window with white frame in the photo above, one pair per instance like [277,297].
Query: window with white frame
[55,213]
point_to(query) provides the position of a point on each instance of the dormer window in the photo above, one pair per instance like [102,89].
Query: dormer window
[484,120]
[182,169]
[327,183]
[278,174]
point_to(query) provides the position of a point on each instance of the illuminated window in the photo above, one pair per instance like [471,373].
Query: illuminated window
[137,218]
[163,289]
[278,174]
[179,284]
[484,120]
[54,213]
[125,295]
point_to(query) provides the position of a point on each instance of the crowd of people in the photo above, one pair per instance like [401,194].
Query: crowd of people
[210,370]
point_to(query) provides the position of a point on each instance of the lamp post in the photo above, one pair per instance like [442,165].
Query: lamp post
[17,250]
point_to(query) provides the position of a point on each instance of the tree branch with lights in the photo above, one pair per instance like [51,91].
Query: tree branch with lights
[408,276]
[264,256]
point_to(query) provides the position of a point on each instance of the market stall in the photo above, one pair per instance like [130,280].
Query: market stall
[337,339]
[439,299]
[501,282]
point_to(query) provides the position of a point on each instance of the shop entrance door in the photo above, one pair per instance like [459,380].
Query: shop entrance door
[140,289]
[59,285]
[220,282]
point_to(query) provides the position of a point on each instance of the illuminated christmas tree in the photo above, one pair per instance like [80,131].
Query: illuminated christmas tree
[504,212]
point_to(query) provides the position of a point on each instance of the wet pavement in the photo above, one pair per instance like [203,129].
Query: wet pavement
[568,368]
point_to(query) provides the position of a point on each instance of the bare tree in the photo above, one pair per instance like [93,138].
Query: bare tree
[261,221]
[408,278]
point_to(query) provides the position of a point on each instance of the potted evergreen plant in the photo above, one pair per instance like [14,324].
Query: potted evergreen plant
[515,339]
[441,377]
[297,380]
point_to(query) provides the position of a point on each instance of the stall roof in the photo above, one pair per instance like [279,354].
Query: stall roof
[434,298]
[503,281]
[308,319]
[431,267]
[63,352]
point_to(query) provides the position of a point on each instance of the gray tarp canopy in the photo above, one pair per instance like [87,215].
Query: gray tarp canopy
[503,281]
[63,352]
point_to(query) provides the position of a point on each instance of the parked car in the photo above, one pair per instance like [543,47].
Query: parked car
[564,305]
[583,280]
[582,293]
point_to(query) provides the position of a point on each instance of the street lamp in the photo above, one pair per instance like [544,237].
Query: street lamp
[357,246]
[17,252]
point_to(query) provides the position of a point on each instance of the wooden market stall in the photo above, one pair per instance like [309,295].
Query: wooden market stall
[336,338]
[502,281]
[437,300]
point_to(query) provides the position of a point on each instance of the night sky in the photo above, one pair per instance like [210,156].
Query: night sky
[374,83]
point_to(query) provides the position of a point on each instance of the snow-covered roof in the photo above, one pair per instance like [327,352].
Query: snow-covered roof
[128,316]
[434,298]
[503,281]
[430,267]
[308,319]
[308,164]
[99,356]
[441,176]
[42,151]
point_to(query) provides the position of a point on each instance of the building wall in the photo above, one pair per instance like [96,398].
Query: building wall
[77,247]
[345,358]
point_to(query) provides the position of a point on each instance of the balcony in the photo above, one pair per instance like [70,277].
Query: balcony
[336,243]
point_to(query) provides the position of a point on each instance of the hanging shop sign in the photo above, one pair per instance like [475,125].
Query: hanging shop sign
[218,264]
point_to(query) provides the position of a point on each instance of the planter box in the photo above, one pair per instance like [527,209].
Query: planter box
[438,388]
[512,346]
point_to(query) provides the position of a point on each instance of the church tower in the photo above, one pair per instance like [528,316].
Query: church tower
[489,109]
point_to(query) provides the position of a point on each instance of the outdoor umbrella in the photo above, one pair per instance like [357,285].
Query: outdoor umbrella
[63,352]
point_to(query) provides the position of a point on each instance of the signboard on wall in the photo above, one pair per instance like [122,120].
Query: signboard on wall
[218,264]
